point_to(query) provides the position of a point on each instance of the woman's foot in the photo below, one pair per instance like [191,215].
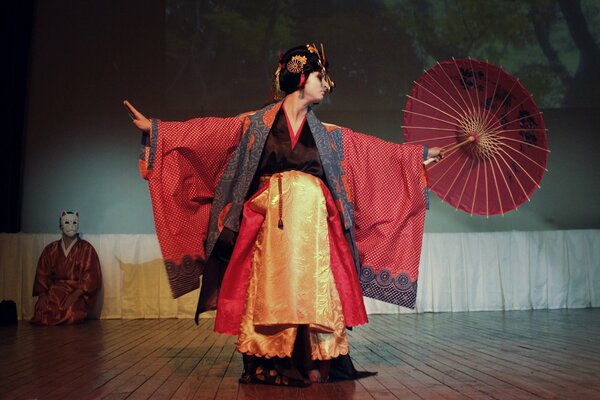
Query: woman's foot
[272,377]
[314,375]
[324,370]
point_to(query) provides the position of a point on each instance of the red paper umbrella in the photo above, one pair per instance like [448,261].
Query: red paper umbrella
[490,128]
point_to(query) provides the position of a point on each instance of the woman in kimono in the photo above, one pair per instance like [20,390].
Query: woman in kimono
[266,206]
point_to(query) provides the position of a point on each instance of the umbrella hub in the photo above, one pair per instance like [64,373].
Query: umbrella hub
[477,136]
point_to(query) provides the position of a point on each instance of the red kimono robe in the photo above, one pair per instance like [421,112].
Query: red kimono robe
[59,275]
[189,166]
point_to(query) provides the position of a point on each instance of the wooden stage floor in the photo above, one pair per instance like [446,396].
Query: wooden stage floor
[477,355]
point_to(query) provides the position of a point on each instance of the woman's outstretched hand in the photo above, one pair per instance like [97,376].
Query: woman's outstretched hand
[434,154]
[138,119]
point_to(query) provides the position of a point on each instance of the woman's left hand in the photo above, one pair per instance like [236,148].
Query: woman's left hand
[435,152]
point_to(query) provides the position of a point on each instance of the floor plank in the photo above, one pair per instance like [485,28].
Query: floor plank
[477,355]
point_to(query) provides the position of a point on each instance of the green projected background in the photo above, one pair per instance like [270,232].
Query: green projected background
[221,54]
[177,60]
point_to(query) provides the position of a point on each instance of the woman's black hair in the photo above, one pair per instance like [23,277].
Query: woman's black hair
[290,81]
[295,65]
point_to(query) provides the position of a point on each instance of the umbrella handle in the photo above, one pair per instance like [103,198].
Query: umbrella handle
[470,139]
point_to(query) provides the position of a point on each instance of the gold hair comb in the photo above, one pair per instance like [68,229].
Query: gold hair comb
[296,64]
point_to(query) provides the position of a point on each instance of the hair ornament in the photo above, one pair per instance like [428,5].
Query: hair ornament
[296,64]
[302,80]
[278,95]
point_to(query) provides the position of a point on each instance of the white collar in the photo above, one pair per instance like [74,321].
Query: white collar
[68,249]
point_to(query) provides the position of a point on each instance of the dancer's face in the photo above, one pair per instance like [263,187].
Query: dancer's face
[315,87]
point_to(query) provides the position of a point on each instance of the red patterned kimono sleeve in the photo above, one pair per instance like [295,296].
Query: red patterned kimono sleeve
[387,183]
[183,162]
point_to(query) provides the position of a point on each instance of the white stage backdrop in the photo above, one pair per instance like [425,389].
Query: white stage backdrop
[459,272]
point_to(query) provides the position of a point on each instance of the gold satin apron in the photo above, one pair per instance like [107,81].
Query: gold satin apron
[292,282]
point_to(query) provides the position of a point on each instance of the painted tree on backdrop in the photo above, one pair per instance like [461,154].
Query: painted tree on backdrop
[220,54]
[552,46]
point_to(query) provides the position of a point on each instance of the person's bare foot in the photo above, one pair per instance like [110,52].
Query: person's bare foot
[314,375]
